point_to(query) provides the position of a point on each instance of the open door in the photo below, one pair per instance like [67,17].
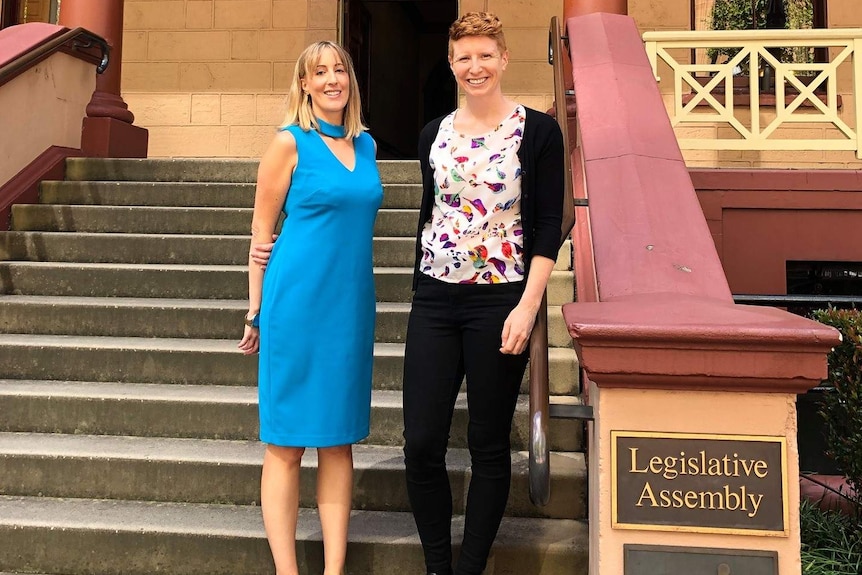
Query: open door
[9,12]
[399,48]
[14,12]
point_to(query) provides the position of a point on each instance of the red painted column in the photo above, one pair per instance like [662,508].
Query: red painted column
[107,129]
[574,8]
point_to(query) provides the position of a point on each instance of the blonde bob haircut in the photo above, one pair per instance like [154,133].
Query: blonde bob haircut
[299,110]
[477,24]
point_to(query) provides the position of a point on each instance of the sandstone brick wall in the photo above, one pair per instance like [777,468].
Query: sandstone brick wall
[208,78]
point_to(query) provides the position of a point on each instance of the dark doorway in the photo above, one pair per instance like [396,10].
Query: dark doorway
[9,11]
[400,49]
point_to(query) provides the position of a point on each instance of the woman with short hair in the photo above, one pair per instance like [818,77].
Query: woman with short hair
[488,236]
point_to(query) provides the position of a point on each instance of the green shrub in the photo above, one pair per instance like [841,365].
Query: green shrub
[842,402]
[831,542]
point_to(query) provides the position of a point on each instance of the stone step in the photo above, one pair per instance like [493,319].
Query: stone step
[188,361]
[151,317]
[157,280]
[212,412]
[170,220]
[187,194]
[182,318]
[191,170]
[160,407]
[161,248]
[393,284]
[225,471]
[142,538]
[177,249]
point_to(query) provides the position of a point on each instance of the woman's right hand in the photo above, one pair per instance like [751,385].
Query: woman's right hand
[250,342]
[260,253]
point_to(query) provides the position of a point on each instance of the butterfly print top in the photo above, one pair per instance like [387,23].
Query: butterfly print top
[475,234]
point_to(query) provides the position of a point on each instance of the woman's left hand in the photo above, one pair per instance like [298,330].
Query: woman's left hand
[517,330]
[250,342]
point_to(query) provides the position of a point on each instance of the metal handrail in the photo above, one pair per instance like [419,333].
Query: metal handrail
[539,459]
[79,42]
[556,59]
[801,300]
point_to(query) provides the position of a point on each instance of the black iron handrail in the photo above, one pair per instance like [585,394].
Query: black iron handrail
[798,300]
[556,44]
[539,459]
[78,42]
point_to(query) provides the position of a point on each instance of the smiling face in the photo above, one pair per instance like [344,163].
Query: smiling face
[478,65]
[328,85]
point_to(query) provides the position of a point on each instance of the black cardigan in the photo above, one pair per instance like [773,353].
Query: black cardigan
[542,186]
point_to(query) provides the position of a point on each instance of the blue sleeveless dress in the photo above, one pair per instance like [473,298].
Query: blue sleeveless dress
[318,305]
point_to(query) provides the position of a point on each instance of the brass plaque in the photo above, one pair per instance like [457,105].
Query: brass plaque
[663,560]
[699,482]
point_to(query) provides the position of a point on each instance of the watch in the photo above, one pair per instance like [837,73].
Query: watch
[253,321]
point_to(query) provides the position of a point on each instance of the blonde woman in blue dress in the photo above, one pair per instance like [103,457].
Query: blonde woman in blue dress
[316,338]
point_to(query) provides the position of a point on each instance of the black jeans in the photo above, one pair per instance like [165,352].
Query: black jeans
[455,330]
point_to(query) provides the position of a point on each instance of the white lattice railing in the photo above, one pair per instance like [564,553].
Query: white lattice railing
[803,92]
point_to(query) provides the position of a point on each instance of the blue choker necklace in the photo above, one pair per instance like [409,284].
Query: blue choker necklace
[331,130]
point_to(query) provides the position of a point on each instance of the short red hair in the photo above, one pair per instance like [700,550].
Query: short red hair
[477,24]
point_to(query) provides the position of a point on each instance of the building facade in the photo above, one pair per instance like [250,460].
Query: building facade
[208,78]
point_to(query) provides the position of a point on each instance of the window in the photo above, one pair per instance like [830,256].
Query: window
[759,14]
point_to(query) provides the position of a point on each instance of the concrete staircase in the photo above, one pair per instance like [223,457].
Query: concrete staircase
[128,420]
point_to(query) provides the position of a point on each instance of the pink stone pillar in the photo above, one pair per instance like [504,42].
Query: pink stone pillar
[107,129]
[665,350]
